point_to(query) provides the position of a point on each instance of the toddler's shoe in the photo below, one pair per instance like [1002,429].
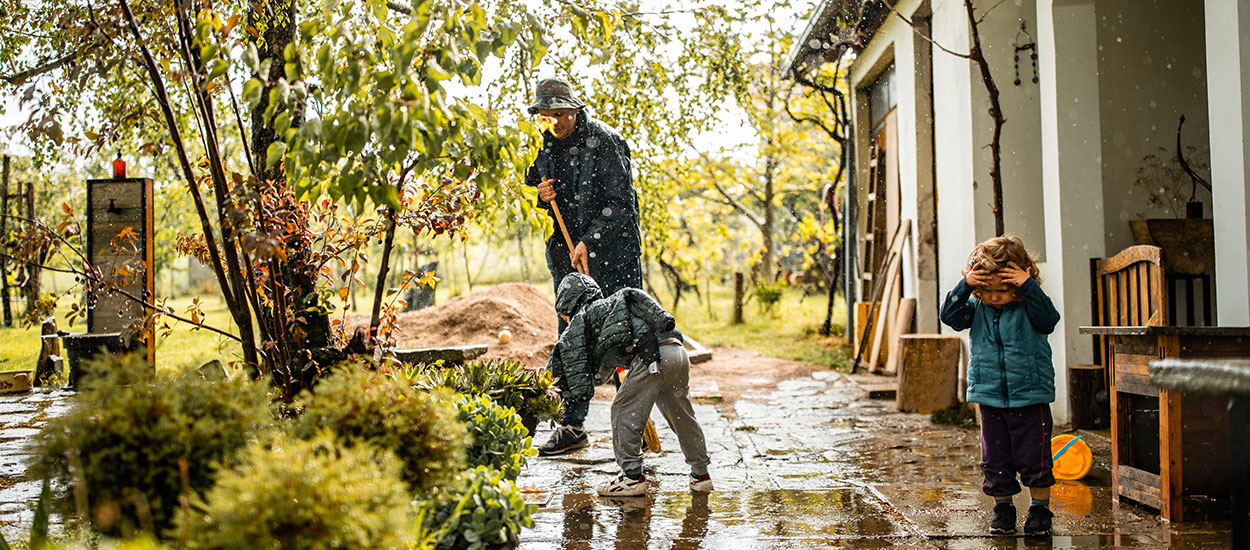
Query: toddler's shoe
[701,483]
[624,486]
[565,439]
[1038,521]
[1004,522]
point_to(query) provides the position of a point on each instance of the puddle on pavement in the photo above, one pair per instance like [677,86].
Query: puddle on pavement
[721,519]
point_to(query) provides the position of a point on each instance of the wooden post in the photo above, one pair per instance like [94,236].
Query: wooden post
[739,295]
[48,367]
[4,267]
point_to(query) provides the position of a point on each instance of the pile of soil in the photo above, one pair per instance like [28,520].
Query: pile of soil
[477,318]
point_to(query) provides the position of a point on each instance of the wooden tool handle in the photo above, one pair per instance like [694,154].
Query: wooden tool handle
[555,209]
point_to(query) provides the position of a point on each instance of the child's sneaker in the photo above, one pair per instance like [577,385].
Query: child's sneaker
[623,486]
[701,483]
[1004,522]
[566,439]
[1038,521]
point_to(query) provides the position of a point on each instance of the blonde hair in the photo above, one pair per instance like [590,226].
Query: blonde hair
[996,253]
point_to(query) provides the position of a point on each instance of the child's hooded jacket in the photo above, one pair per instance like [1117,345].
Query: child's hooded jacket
[603,334]
[1010,364]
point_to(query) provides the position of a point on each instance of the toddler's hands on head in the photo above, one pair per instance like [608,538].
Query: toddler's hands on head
[1013,275]
[978,276]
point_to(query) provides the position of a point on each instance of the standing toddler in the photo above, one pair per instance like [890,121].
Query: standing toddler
[1010,375]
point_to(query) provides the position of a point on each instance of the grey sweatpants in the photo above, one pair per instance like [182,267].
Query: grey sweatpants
[670,391]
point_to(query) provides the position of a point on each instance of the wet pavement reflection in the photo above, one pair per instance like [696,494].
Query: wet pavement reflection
[813,463]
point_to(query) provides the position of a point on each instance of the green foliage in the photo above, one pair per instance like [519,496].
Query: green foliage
[499,441]
[486,510]
[309,495]
[530,392]
[961,415]
[362,406]
[769,293]
[129,432]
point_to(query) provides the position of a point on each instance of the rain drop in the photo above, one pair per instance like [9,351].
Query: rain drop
[596,235]
[607,211]
[592,142]
[573,150]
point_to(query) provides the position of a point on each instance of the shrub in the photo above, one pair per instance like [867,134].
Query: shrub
[499,440]
[310,495]
[486,510]
[769,294]
[530,392]
[122,440]
[358,406]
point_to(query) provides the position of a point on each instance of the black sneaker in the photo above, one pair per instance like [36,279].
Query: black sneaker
[1038,520]
[1004,522]
[565,439]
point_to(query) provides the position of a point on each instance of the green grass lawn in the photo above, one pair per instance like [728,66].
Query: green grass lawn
[789,331]
[184,347]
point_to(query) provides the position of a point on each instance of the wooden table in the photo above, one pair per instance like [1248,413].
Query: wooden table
[1164,443]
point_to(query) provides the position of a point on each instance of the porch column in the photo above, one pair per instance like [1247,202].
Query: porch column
[1228,99]
[1071,175]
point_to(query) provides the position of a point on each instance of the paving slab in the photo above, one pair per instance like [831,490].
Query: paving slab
[815,463]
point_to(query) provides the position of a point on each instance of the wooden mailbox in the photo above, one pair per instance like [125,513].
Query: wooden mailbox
[119,245]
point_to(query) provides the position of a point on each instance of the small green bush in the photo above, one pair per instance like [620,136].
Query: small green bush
[530,392]
[420,427]
[486,510]
[122,440]
[499,440]
[769,294]
[310,495]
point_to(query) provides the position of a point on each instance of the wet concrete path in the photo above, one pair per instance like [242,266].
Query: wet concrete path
[813,463]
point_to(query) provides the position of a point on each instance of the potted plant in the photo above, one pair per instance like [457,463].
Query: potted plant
[1172,187]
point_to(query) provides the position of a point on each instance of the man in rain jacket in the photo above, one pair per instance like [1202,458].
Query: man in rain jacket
[626,330]
[584,169]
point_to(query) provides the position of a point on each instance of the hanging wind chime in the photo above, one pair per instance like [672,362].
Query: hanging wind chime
[1025,44]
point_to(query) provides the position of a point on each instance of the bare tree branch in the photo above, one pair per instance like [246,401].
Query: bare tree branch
[927,38]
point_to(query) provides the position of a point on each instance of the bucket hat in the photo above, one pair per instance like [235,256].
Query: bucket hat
[554,93]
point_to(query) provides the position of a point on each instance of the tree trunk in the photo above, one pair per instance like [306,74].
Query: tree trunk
[375,314]
[770,219]
[4,238]
[33,269]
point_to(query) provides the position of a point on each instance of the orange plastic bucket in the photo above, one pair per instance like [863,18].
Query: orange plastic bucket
[1072,457]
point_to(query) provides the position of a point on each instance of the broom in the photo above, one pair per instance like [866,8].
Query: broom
[649,434]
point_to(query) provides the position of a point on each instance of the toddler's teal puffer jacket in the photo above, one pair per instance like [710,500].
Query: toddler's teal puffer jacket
[1011,363]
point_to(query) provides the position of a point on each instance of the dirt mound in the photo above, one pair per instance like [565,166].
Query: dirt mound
[477,318]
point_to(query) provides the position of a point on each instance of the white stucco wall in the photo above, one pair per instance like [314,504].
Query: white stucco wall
[953,144]
[1021,138]
[1228,82]
[1071,175]
[1152,64]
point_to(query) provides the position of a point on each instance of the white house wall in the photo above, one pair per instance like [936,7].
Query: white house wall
[1152,67]
[1228,83]
[953,144]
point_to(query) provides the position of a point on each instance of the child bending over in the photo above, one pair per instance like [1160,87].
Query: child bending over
[628,329]
[1010,375]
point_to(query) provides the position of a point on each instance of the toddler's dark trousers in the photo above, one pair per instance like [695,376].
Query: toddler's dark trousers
[1015,441]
